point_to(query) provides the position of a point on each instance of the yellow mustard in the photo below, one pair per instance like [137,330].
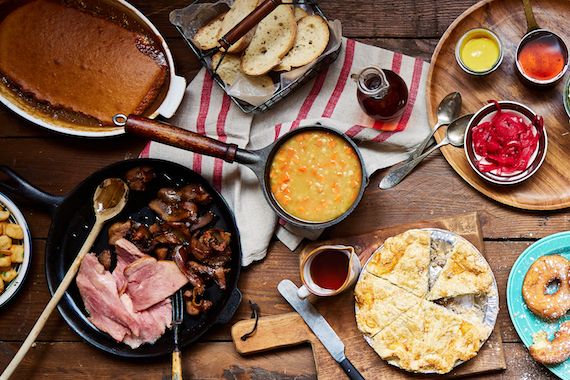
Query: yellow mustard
[480,53]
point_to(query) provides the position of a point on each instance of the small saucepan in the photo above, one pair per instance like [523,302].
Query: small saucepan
[260,162]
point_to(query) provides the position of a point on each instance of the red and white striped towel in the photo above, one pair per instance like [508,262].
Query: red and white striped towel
[330,99]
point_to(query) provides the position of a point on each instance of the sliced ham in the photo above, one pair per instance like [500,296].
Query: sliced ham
[127,253]
[152,321]
[98,290]
[150,281]
[115,313]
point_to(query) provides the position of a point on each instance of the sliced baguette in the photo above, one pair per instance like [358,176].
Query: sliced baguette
[238,11]
[300,13]
[312,39]
[207,36]
[273,38]
[230,68]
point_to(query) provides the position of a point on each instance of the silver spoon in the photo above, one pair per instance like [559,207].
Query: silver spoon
[109,200]
[447,111]
[455,135]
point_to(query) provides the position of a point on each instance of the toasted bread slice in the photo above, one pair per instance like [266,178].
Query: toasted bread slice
[230,68]
[239,10]
[300,13]
[273,38]
[207,36]
[312,39]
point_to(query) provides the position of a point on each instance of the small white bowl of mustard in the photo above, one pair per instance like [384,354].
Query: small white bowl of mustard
[479,52]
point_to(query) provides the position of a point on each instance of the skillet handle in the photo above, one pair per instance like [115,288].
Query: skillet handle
[24,190]
[231,307]
[175,136]
[248,23]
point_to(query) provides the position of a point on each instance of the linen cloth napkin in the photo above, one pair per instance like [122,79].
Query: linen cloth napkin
[330,99]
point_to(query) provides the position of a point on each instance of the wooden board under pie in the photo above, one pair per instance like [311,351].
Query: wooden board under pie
[289,329]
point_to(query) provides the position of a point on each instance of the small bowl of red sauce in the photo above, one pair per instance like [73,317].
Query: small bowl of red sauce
[542,58]
[506,142]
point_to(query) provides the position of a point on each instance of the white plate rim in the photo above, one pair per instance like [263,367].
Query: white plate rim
[14,286]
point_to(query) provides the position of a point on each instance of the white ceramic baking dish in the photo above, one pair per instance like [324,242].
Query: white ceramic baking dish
[171,94]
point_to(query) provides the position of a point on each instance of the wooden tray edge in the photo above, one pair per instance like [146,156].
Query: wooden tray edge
[438,136]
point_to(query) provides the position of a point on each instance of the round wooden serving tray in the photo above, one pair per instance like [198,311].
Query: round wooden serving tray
[549,188]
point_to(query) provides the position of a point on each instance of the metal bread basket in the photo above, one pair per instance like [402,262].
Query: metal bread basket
[188,20]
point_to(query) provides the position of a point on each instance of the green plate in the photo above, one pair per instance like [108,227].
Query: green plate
[526,323]
[567,96]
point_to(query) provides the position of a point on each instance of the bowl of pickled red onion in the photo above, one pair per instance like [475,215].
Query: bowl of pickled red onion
[506,142]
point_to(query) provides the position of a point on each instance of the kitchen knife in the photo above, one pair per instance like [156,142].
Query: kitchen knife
[320,327]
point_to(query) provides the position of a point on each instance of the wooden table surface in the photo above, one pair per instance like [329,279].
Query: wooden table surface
[56,164]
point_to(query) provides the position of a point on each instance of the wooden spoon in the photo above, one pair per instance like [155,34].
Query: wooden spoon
[109,200]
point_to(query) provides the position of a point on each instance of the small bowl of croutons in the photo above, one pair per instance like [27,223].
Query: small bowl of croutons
[15,249]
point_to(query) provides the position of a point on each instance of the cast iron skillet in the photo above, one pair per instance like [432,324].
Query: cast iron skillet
[72,217]
[259,161]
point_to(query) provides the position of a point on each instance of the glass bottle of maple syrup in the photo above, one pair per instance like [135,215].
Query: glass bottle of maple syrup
[381,93]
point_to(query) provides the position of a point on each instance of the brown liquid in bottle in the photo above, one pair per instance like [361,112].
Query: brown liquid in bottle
[381,93]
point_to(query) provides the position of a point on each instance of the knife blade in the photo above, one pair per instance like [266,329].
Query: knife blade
[319,326]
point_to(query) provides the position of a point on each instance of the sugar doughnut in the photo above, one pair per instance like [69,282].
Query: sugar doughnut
[542,272]
[554,351]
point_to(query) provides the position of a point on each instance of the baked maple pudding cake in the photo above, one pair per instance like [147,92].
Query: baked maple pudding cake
[421,301]
[72,59]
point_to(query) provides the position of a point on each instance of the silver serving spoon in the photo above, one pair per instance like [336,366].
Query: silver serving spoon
[109,200]
[447,111]
[455,135]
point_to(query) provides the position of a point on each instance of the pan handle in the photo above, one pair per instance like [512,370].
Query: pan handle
[181,138]
[24,190]
[248,23]
[231,307]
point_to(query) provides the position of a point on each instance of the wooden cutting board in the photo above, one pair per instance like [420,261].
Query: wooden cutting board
[289,329]
[549,188]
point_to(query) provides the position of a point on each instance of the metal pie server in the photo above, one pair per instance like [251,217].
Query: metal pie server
[319,326]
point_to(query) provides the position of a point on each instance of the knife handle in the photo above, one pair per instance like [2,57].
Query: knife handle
[350,370]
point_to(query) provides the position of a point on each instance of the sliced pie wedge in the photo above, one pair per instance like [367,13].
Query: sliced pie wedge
[380,303]
[401,343]
[465,272]
[404,260]
[448,338]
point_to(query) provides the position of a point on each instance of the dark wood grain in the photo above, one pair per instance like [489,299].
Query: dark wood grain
[548,189]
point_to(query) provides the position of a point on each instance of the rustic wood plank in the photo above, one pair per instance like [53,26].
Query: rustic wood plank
[71,360]
[207,361]
[360,18]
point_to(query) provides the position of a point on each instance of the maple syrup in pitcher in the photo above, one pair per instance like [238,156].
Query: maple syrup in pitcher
[381,93]
[329,269]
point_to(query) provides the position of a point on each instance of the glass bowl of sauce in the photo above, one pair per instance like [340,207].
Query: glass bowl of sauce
[542,58]
[479,52]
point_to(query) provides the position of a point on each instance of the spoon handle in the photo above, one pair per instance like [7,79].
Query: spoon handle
[69,276]
[396,175]
[530,20]
[420,148]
